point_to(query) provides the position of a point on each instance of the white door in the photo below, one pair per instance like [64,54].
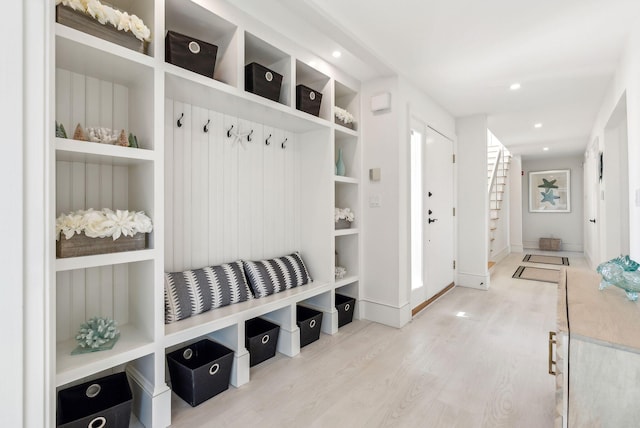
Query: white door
[592,189]
[438,205]
[432,226]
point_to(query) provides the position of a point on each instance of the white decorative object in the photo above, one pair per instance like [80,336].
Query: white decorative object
[341,272]
[102,135]
[102,224]
[344,115]
[107,15]
[344,214]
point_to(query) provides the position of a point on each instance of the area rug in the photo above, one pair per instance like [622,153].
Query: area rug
[537,274]
[549,260]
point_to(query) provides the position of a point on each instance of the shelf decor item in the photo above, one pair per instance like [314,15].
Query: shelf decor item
[84,233]
[623,273]
[97,334]
[190,53]
[344,118]
[60,131]
[309,322]
[104,402]
[340,168]
[340,272]
[103,21]
[343,218]
[345,306]
[259,80]
[308,100]
[261,340]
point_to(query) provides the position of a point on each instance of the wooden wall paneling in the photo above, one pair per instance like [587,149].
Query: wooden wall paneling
[187,226]
[120,118]
[289,200]
[105,296]
[230,199]
[106,105]
[199,206]
[93,277]
[120,276]
[92,103]
[169,123]
[63,99]
[256,197]
[217,139]
[178,187]
[63,305]
[78,103]
[269,189]
[277,196]
[296,189]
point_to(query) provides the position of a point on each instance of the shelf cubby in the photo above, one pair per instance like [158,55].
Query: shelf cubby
[319,82]
[267,55]
[349,287]
[193,20]
[349,100]
[347,249]
[350,153]
[119,292]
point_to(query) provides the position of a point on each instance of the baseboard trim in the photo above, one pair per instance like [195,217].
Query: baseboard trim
[392,316]
[519,248]
[472,280]
[534,245]
[501,254]
[435,297]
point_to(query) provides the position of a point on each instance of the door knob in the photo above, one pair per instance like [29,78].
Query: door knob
[592,220]
[432,220]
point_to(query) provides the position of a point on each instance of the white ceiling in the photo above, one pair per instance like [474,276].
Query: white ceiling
[465,53]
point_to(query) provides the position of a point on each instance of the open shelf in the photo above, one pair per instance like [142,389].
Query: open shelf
[347,99]
[98,260]
[344,232]
[349,279]
[89,152]
[267,55]
[131,345]
[193,20]
[347,180]
[312,78]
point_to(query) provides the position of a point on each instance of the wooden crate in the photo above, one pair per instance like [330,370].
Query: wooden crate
[553,244]
[82,245]
[85,23]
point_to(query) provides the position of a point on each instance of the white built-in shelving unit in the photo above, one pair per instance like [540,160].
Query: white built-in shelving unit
[212,198]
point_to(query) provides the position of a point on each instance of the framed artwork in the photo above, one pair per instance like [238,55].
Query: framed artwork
[550,191]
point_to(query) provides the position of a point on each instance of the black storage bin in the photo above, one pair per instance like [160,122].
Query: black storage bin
[261,340]
[190,53]
[101,402]
[309,322]
[259,80]
[200,371]
[345,306]
[308,100]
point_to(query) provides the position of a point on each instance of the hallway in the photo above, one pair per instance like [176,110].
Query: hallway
[472,359]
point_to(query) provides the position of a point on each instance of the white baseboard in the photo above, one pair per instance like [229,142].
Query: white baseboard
[151,405]
[517,248]
[385,314]
[575,248]
[470,280]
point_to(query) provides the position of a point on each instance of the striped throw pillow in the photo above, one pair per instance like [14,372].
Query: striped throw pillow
[192,292]
[274,275]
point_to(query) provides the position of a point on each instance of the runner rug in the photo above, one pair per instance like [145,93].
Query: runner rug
[537,274]
[549,260]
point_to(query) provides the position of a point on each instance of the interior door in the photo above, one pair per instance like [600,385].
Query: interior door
[438,206]
[417,150]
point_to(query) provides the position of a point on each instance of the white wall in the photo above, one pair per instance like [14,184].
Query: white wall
[566,226]
[473,202]
[515,207]
[627,79]
[386,279]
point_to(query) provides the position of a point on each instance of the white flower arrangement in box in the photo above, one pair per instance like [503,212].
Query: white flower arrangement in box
[343,115]
[104,14]
[344,214]
[102,224]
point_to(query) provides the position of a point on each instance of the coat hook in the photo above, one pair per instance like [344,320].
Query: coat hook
[267,142]
[284,143]
[249,136]
[179,122]
[229,132]
[206,126]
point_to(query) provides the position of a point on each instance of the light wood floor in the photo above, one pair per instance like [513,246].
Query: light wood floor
[472,359]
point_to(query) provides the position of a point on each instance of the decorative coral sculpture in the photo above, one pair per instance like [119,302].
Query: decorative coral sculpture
[623,273]
[97,334]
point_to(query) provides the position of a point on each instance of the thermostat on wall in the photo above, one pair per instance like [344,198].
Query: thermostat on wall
[381,102]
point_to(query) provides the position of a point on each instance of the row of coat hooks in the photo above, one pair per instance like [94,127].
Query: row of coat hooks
[238,135]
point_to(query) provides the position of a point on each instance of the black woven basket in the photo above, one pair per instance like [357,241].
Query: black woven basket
[262,81]
[261,340]
[190,53]
[309,322]
[308,100]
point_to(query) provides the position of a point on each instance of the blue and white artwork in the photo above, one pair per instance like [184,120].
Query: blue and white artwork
[549,191]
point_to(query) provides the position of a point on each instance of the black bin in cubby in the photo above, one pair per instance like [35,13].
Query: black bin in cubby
[262,81]
[345,306]
[308,100]
[200,371]
[309,322]
[261,340]
[101,402]
[190,53]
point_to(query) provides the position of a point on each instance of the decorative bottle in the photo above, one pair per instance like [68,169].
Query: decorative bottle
[340,170]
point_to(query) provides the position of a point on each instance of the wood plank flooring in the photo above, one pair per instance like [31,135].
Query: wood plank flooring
[471,359]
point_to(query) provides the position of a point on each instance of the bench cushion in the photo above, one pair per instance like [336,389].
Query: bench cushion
[274,275]
[192,292]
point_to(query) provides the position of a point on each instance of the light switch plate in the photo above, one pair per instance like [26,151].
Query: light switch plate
[375,201]
[374,174]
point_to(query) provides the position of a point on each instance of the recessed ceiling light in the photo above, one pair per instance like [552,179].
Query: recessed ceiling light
[537,125]
[546,149]
[336,54]
[514,86]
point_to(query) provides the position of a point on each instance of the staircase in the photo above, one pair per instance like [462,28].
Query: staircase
[498,160]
